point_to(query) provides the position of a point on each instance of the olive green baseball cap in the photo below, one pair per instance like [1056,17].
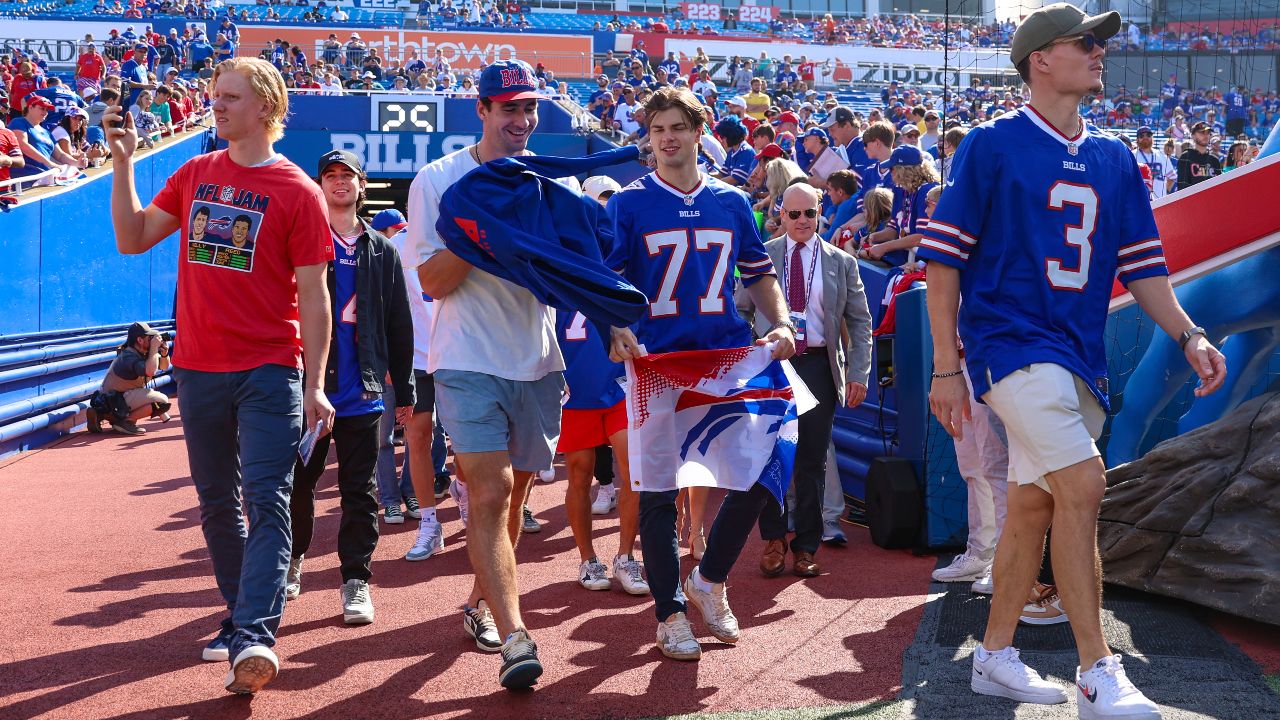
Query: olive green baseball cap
[1057,21]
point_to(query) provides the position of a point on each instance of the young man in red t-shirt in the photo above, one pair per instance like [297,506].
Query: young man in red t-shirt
[10,153]
[251,298]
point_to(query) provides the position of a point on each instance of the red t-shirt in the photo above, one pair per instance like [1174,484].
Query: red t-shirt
[8,147]
[177,114]
[90,65]
[22,87]
[237,292]
[805,70]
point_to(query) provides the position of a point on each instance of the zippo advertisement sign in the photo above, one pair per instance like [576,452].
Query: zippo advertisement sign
[565,55]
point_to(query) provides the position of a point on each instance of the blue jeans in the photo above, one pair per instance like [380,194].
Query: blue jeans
[391,493]
[733,525]
[242,431]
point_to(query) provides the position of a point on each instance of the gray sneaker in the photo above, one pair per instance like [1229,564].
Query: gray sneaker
[357,603]
[531,525]
[293,580]
[593,575]
[714,607]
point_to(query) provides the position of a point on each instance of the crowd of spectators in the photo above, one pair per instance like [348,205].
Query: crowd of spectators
[53,126]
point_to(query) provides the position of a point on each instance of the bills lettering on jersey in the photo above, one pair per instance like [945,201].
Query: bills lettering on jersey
[684,263]
[1037,248]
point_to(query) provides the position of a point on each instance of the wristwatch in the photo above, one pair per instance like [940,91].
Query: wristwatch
[1186,335]
[784,324]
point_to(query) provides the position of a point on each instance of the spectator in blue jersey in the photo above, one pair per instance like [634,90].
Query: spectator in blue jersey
[914,176]
[199,50]
[1237,110]
[1040,216]
[670,65]
[62,98]
[740,158]
[842,188]
[366,283]
[690,311]
[134,77]
[877,143]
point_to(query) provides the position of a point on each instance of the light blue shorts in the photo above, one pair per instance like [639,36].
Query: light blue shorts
[486,413]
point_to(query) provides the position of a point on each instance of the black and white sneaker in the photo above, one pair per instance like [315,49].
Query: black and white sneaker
[391,515]
[411,508]
[479,624]
[520,666]
[442,486]
[531,524]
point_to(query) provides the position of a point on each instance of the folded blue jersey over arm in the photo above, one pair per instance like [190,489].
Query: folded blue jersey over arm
[510,218]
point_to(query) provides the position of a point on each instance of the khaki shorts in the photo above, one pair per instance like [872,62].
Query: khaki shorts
[142,397]
[1051,417]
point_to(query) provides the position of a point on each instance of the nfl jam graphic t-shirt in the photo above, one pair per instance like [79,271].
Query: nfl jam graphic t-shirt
[244,230]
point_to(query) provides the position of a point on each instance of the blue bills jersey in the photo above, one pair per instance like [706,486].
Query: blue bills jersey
[350,398]
[680,248]
[740,162]
[1040,226]
[592,378]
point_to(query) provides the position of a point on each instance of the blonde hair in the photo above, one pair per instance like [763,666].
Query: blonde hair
[934,194]
[911,177]
[878,205]
[778,176]
[267,84]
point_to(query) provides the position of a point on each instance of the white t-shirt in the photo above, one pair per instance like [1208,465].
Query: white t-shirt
[624,114]
[420,307]
[487,324]
[1162,170]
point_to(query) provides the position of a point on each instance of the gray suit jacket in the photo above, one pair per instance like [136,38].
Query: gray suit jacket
[847,321]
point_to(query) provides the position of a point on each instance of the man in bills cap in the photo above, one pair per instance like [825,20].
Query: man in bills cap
[1040,214]
[498,374]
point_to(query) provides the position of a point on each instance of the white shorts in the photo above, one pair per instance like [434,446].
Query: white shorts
[1052,420]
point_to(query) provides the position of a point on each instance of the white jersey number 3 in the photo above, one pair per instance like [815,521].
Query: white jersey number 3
[1059,271]
[712,301]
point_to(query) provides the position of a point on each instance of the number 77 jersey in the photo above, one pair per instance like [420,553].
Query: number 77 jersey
[681,249]
[1040,225]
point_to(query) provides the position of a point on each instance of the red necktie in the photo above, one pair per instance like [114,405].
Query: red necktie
[797,298]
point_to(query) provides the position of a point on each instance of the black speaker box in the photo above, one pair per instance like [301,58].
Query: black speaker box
[895,507]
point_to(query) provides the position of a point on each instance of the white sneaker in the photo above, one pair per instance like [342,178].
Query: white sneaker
[714,607]
[357,603]
[459,492]
[593,575]
[547,476]
[293,580]
[1002,674]
[630,574]
[676,640]
[253,668]
[606,500]
[1103,692]
[430,541]
[965,568]
[983,585]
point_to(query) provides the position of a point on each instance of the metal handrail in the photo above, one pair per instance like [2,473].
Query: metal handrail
[16,183]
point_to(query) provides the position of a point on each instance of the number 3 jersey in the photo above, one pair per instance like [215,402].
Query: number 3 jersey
[1040,225]
[680,248]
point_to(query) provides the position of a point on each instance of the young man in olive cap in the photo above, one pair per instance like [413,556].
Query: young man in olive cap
[1023,233]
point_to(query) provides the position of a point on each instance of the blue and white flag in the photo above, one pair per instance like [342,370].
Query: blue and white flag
[713,418]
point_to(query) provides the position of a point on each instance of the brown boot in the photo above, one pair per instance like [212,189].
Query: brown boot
[774,559]
[804,566]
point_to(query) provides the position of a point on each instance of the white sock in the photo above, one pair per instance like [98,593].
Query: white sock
[428,515]
[982,654]
[700,582]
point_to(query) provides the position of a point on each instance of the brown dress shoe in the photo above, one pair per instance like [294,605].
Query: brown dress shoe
[774,559]
[804,566]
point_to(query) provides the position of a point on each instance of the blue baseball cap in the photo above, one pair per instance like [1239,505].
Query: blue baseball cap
[904,155]
[389,219]
[819,133]
[1145,129]
[508,80]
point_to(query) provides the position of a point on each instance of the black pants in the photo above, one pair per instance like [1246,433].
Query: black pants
[356,439]
[809,476]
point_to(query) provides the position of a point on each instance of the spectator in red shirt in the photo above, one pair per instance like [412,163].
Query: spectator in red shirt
[10,154]
[91,68]
[23,84]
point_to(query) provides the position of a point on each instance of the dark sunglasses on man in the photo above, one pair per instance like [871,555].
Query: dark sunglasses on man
[1087,42]
[795,214]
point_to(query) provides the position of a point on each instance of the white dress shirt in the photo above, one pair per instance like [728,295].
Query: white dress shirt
[814,314]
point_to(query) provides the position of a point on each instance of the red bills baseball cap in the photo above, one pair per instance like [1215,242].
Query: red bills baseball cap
[508,80]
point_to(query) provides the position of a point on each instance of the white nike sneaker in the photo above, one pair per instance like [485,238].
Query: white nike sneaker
[1103,692]
[1002,674]
[964,568]
[606,500]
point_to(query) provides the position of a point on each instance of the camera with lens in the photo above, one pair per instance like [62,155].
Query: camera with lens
[166,337]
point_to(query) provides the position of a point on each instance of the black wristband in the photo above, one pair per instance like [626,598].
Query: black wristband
[953,373]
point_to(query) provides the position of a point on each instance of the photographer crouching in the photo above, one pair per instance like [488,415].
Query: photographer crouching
[144,354]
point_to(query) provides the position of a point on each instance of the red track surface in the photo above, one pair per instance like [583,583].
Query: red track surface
[110,598]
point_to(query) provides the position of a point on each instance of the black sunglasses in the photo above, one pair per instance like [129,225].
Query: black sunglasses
[1087,42]
[795,214]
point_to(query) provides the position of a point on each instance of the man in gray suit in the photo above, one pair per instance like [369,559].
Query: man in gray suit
[833,356]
